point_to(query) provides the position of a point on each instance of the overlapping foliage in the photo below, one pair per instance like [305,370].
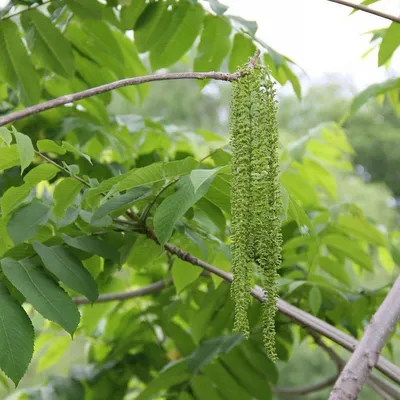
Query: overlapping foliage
[79,184]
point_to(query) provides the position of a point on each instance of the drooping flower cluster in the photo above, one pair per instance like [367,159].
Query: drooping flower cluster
[255,197]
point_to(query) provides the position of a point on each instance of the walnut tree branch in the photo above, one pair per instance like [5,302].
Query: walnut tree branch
[366,354]
[367,10]
[299,316]
[70,98]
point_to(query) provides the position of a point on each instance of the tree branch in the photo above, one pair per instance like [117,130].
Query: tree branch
[70,98]
[130,294]
[366,354]
[301,391]
[367,10]
[384,388]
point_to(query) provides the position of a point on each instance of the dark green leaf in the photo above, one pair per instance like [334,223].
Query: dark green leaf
[214,45]
[68,269]
[14,196]
[173,374]
[130,14]
[242,49]
[209,349]
[204,388]
[176,40]
[25,222]
[15,67]
[122,202]
[42,292]
[176,205]
[48,44]
[93,245]
[16,337]
[87,9]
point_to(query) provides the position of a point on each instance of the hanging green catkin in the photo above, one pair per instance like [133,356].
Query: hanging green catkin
[256,202]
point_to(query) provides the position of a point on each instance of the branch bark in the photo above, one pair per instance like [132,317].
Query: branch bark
[366,354]
[367,10]
[71,98]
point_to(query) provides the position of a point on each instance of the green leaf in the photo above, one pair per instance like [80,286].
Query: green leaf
[87,9]
[5,135]
[390,42]
[25,222]
[48,146]
[25,149]
[315,299]
[42,292]
[249,26]
[16,68]
[93,245]
[297,212]
[199,176]
[209,349]
[373,91]
[349,248]
[95,40]
[335,269]
[204,388]
[180,167]
[130,14]
[173,374]
[151,25]
[16,337]
[122,202]
[242,49]
[183,274]
[214,45]
[217,7]
[64,195]
[362,229]
[176,205]
[219,194]
[68,269]
[293,79]
[9,157]
[48,44]
[228,385]
[14,196]
[72,149]
[54,353]
[178,37]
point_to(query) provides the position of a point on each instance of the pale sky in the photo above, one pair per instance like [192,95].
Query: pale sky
[319,35]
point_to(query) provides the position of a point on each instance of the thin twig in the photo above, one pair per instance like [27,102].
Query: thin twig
[70,98]
[366,354]
[24,10]
[367,10]
[331,353]
[130,294]
[301,391]
[61,168]
[145,214]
